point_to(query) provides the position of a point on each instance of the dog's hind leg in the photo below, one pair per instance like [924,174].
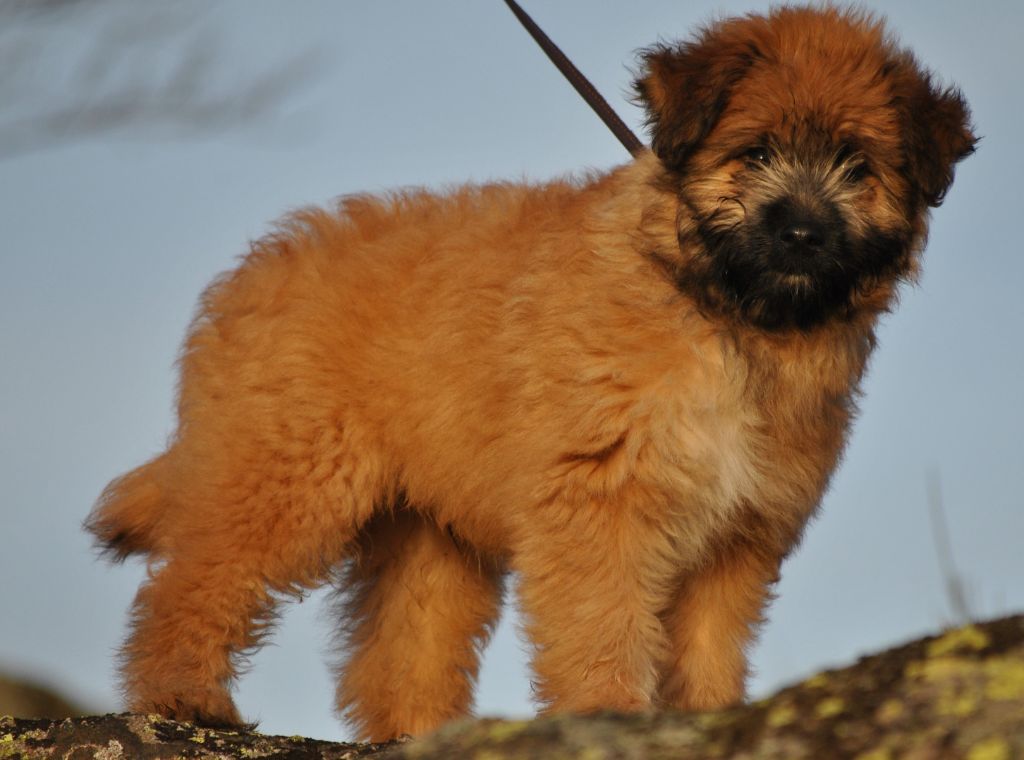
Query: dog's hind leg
[250,523]
[417,607]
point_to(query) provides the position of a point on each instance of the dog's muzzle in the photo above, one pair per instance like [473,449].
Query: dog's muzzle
[800,236]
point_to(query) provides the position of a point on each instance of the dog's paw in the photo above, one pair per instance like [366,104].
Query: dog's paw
[209,710]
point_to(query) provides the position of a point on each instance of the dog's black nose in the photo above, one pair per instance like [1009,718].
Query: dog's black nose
[803,235]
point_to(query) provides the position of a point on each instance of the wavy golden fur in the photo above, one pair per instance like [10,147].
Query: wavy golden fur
[631,390]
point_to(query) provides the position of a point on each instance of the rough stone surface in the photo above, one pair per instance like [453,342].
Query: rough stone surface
[956,695]
[149,737]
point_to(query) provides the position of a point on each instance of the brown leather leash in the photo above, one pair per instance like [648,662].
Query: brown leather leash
[579,81]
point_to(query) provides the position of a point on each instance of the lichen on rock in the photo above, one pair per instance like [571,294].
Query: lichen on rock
[956,696]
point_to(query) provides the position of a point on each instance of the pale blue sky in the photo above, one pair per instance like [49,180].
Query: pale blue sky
[107,243]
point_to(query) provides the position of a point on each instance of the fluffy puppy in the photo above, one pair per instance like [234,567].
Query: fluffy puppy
[630,390]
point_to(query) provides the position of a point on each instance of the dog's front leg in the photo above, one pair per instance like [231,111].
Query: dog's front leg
[711,623]
[591,584]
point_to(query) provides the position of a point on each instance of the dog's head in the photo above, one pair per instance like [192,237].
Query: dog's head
[805,148]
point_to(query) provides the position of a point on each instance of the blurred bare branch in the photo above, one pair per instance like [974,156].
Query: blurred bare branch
[956,591]
[8,7]
[73,69]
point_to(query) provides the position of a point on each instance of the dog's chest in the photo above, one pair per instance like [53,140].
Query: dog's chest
[714,451]
[742,441]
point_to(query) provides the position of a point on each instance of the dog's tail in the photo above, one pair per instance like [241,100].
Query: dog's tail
[125,519]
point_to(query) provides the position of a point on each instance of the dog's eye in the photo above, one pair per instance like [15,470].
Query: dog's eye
[758,155]
[852,164]
[856,171]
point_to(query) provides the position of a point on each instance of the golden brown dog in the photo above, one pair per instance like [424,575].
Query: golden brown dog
[631,390]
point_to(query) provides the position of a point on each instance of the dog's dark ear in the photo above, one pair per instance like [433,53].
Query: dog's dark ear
[937,129]
[685,88]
